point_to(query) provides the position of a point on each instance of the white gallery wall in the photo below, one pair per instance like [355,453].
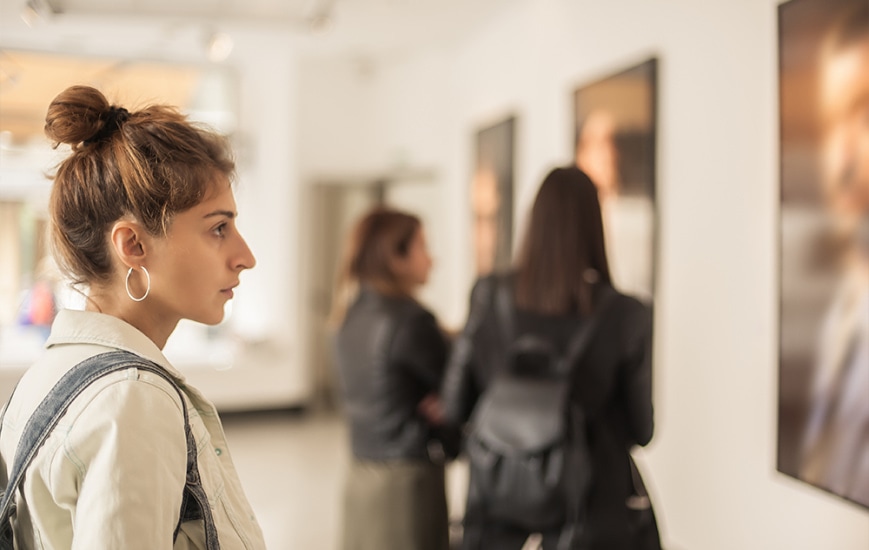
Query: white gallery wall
[711,466]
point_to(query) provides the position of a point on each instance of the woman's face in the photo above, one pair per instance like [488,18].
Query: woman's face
[414,267]
[195,268]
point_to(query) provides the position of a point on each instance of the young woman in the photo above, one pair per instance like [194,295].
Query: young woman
[559,282]
[143,217]
[390,356]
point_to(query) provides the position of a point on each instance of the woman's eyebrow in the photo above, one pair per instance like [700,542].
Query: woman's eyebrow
[226,213]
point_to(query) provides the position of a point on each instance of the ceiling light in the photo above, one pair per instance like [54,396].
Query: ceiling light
[321,17]
[36,11]
[219,46]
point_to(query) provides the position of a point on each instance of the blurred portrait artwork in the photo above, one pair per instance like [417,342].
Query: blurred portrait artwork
[614,122]
[491,197]
[823,431]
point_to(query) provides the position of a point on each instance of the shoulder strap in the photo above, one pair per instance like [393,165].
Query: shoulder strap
[576,348]
[580,341]
[506,313]
[505,307]
[54,406]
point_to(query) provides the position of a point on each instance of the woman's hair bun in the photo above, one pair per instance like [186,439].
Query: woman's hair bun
[77,114]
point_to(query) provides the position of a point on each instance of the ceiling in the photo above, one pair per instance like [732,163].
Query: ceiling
[253,9]
[29,81]
[370,27]
[159,48]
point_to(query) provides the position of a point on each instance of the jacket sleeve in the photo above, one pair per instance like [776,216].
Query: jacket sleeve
[636,373]
[420,346]
[129,452]
[460,390]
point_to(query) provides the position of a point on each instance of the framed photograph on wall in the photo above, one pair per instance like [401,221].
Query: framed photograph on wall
[823,421]
[491,193]
[614,123]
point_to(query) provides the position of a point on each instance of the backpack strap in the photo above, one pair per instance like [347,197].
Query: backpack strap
[506,313]
[578,344]
[576,349]
[505,308]
[49,412]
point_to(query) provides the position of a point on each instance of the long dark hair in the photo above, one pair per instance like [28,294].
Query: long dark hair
[379,237]
[563,253]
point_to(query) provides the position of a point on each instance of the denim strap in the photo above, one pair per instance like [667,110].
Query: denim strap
[53,407]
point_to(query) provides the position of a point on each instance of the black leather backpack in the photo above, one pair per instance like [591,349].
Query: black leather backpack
[530,466]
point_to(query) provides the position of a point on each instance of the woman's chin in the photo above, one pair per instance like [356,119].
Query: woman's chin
[211,318]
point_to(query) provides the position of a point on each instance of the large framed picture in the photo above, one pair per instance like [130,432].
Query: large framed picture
[615,123]
[492,196]
[823,421]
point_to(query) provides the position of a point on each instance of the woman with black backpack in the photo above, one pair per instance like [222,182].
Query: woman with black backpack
[556,317]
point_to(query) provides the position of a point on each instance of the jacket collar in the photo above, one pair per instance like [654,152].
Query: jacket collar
[89,327]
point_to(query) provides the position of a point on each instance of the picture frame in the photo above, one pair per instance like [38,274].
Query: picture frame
[491,196]
[823,392]
[615,143]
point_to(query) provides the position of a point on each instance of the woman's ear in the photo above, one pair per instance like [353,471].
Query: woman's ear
[129,241]
[397,265]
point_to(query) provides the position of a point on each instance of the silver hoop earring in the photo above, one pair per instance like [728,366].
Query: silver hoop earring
[127,285]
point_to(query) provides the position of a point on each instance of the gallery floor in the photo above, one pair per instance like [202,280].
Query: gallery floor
[292,467]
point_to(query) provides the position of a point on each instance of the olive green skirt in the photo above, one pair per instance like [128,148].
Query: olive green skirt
[395,505]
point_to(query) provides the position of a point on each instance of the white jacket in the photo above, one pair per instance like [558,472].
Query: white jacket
[111,475]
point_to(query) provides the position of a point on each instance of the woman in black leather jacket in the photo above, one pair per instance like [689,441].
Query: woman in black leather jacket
[390,355]
[559,280]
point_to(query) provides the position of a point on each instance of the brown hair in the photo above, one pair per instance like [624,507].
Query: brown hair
[563,252]
[380,236]
[150,164]
[850,27]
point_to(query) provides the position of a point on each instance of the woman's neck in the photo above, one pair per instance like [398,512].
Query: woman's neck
[155,326]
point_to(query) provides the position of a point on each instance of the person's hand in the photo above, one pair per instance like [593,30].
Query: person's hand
[431,409]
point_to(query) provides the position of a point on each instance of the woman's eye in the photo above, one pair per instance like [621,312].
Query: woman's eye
[220,230]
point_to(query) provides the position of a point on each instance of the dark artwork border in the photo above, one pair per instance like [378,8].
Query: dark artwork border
[495,150]
[637,150]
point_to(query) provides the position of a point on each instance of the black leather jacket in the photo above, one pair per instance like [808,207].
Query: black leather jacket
[613,383]
[390,353]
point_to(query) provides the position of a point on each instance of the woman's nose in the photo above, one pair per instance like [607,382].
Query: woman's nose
[246,259]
